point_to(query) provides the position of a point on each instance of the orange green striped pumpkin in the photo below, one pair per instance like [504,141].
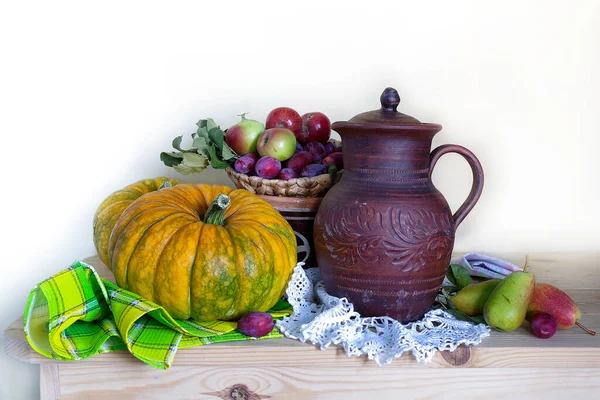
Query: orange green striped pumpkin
[112,207]
[202,251]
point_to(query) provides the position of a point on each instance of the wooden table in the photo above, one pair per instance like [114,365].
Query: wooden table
[512,365]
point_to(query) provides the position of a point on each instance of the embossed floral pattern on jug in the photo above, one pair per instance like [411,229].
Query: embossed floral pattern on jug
[354,234]
[384,234]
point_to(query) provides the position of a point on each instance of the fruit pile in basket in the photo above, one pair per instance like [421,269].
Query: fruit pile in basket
[290,155]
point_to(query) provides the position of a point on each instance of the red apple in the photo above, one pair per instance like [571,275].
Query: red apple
[316,127]
[279,143]
[284,117]
[242,137]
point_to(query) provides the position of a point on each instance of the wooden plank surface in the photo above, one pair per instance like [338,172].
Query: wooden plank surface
[323,382]
[578,274]
[49,382]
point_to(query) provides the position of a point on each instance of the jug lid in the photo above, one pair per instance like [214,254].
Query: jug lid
[387,117]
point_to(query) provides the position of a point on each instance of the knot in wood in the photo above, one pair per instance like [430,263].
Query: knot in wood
[458,357]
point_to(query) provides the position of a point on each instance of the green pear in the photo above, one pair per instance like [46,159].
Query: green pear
[471,299]
[506,307]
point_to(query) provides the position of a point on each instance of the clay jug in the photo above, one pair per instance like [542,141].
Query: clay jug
[384,234]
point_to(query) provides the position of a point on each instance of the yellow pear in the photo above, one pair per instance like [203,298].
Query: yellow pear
[471,299]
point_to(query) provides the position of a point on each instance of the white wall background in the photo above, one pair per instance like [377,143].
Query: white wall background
[90,93]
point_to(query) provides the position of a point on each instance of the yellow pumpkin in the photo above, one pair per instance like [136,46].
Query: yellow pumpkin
[112,207]
[204,252]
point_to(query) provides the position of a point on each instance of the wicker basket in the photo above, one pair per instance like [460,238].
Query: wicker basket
[297,187]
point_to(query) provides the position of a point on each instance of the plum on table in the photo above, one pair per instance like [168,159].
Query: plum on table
[256,324]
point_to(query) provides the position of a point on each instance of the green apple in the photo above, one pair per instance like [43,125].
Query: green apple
[279,143]
[243,136]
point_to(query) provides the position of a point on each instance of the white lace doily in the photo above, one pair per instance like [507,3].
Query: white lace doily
[325,320]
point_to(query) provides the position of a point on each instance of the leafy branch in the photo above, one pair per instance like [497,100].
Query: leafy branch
[208,147]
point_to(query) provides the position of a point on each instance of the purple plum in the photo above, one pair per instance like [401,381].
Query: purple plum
[287,173]
[267,167]
[245,163]
[256,324]
[299,161]
[543,325]
[317,150]
[329,147]
[313,170]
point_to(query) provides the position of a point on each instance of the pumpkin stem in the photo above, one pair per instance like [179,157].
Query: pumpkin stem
[216,211]
[165,184]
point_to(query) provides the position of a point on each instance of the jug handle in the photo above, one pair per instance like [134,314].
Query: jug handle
[477,186]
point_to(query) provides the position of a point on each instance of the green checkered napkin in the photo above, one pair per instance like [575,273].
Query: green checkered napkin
[76,314]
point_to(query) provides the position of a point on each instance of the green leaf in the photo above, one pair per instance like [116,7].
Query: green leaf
[192,163]
[332,171]
[217,137]
[210,124]
[185,170]
[206,152]
[458,314]
[202,131]
[177,143]
[194,160]
[215,161]
[171,159]
[228,154]
[200,143]
[446,292]
[205,126]
[478,319]
[459,276]
[450,289]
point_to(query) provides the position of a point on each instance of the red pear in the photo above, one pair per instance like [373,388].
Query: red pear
[550,299]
